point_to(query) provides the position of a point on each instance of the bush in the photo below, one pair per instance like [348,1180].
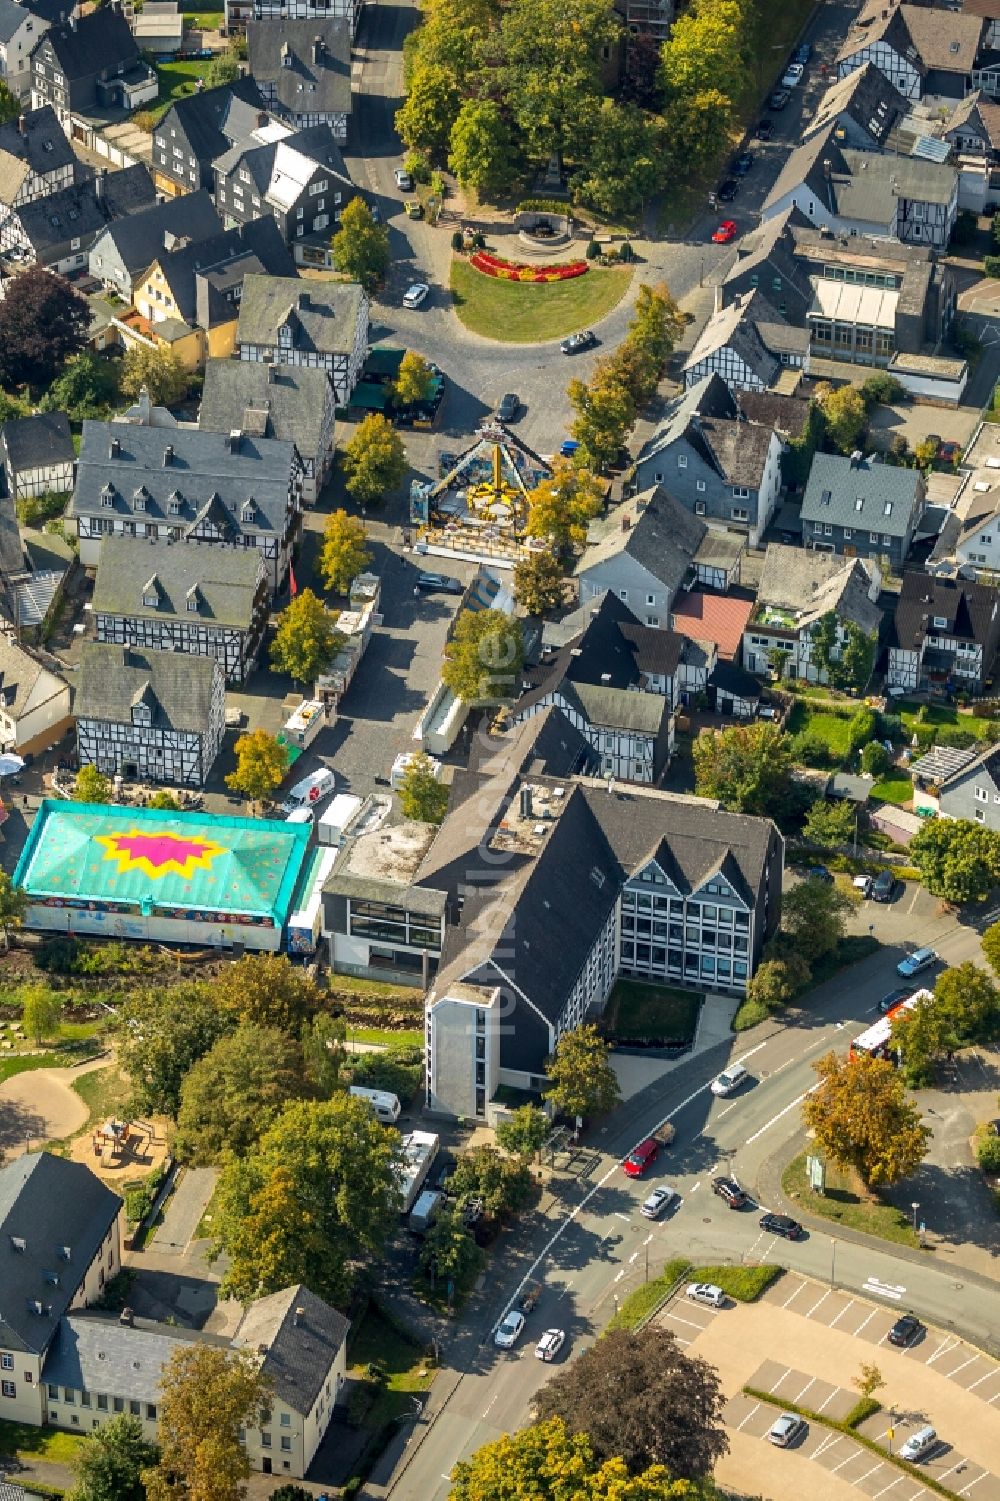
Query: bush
[626,253]
[991,265]
[864,1407]
[988,1153]
[955,736]
[744,1283]
[811,750]
[593,250]
[34,510]
[874,759]
[418,166]
[140,1197]
[400,1071]
[748,1014]
[881,388]
[542,206]
[458,240]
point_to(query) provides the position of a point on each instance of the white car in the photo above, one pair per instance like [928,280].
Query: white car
[730,1079]
[550,1344]
[660,1199]
[404,181]
[414,296]
[913,963]
[509,1330]
[786,1429]
[707,1293]
[919,1444]
[792,76]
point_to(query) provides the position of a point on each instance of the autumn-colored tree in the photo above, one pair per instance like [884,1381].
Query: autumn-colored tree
[747,767]
[374,459]
[306,640]
[41,1011]
[581,1079]
[844,410]
[861,1119]
[539,583]
[157,370]
[990,945]
[267,990]
[345,551]
[414,380]
[958,859]
[92,786]
[261,763]
[605,411]
[234,1093]
[422,795]
[482,660]
[563,503]
[869,1380]
[776,982]
[524,1131]
[207,1397]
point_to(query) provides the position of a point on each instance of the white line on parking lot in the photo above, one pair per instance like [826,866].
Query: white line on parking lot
[620,1216]
[853,1455]
[958,1465]
[989,1375]
[817,1303]
[689,1322]
[780,1115]
[828,1443]
[793,1294]
[802,1393]
[830,1398]
[727,1109]
[865,1322]
[961,1367]
[888,1487]
[620,1275]
[967,1488]
[862,1478]
[693,1190]
[942,1349]
[840,1315]
[754,1408]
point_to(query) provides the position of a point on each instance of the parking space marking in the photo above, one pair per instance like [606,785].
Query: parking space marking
[830,1398]
[982,1379]
[801,1394]
[956,1369]
[847,1461]
[689,1322]
[888,1487]
[755,1408]
[817,1304]
[794,1294]
[835,1321]
[862,1478]
[865,1322]
[958,1465]
[942,1349]
[828,1443]
[967,1488]
[774,1386]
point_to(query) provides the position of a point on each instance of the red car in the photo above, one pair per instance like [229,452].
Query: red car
[725,232]
[639,1159]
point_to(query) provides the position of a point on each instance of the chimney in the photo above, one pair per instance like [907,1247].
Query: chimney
[127,1318]
[168,456]
[145,406]
[261,120]
[100,183]
[317,50]
[300,1313]
[22,125]
[234,440]
[626,523]
[525,802]
[827,168]
[303,302]
[856,458]
[116,449]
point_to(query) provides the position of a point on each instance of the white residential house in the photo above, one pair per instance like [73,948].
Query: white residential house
[321,324]
[34,701]
[38,454]
[20,30]
[945,631]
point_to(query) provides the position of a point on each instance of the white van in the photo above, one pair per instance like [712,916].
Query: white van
[919,1444]
[729,1080]
[385,1105]
[310,790]
[301,815]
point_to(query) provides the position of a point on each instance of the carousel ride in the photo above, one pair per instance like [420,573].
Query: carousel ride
[479,506]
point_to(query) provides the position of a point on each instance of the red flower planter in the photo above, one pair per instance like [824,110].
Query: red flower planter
[492,265]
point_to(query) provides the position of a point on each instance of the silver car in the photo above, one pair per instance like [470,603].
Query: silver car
[786,1429]
[509,1330]
[659,1200]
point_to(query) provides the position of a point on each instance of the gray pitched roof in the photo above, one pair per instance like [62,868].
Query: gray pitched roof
[709,396]
[12,18]
[48,1205]
[603,646]
[971,610]
[35,142]
[654,529]
[139,238]
[860,494]
[280,401]
[90,43]
[867,96]
[813,583]
[183,468]
[308,61]
[787,415]
[80,213]
[214,119]
[940,39]
[322,315]
[43,438]
[745,327]
[25,682]
[280,169]
[225,581]
[179,688]
[93,1352]
[303,1336]
[203,274]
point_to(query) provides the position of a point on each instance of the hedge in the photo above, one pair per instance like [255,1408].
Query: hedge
[991,265]
[742,1283]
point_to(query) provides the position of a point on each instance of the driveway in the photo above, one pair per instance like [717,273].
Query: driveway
[184,1209]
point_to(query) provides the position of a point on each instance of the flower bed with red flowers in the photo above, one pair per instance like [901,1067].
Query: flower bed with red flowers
[492,265]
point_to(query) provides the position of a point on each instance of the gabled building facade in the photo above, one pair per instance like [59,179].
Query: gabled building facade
[293,403]
[198,128]
[58,230]
[320,324]
[920,50]
[973,792]
[303,68]
[34,701]
[945,631]
[35,159]
[240,12]
[38,454]
[91,65]
[20,29]
[297,178]
[799,588]
[751,345]
[125,251]
[861,509]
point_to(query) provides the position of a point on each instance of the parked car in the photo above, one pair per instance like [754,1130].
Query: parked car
[792,76]
[893,999]
[728,190]
[659,1200]
[439,583]
[414,208]
[725,232]
[641,1157]
[729,1080]
[802,53]
[743,163]
[550,1344]
[509,1330]
[920,1445]
[730,1191]
[779,99]
[414,296]
[819,873]
[573,345]
[707,1293]
[403,180]
[949,453]
[914,963]
[782,1224]
[906,1331]
[508,406]
[765,129]
[863,885]
[786,1429]
[884,887]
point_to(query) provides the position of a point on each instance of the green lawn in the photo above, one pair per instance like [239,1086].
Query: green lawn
[407,1038]
[40,1443]
[527,313]
[11,1066]
[104,1092]
[895,787]
[942,714]
[639,1011]
[831,728]
[378,1340]
[204,20]
[843,1204]
[179,78]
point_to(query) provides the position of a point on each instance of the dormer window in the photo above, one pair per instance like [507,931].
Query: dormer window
[174,502]
[193,598]
[140,497]
[285,335]
[940,623]
[18,1243]
[141,714]
[108,496]
[248,511]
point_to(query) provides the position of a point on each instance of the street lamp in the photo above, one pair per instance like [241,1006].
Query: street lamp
[833,1260]
[914,1207]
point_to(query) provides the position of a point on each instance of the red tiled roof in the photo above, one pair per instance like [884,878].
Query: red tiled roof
[713,617]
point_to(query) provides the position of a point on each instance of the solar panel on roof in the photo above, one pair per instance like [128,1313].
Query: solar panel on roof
[930,150]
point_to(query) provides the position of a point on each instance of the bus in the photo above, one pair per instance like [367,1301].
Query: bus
[875,1040]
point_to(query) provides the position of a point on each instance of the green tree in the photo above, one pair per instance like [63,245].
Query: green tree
[925,453]
[261,763]
[869,1380]
[375,459]
[86,387]
[268,990]
[414,380]
[622,161]
[550,69]
[158,370]
[10,105]
[448,1251]
[796,461]
[881,389]
[958,860]
[313,1200]
[306,640]
[92,786]
[207,1397]
[324,1054]
[13,906]
[990,946]
[232,1094]
[425,122]
[814,917]
[502,1183]
[863,726]
[747,767]
[345,551]
[968,1003]
[360,247]
[546,1463]
[776,982]
[45,323]
[539,583]
[656,324]
[830,824]
[110,1465]
[41,1012]
[605,412]
[161,1034]
[422,795]
[861,1119]
[224,68]
[844,410]
[523,1131]
[581,1079]
[706,50]
[483,659]
[563,503]
[875,759]
[857,658]
[482,154]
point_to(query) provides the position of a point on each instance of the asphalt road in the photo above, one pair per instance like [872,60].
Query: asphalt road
[595,1246]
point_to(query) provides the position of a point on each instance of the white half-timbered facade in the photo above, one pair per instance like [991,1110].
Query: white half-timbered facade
[632,732]
[944,630]
[901,71]
[239,12]
[322,325]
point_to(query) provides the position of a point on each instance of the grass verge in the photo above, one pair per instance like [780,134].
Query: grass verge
[652,1012]
[11,1066]
[353,985]
[845,1206]
[527,312]
[387,1038]
[895,787]
[864,1407]
[742,1283]
[104,1092]
[27,1442]
[380,1344]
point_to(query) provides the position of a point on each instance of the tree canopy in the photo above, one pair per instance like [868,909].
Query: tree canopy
[422,795]
[374,459]
[345,551]
[208,1395]
[267,990]
[483,658]
[232,1094]
[92,786]
[862,1119]
[161,1035]
[957,859]
[13,905]
[524,1131]
[261,763]
[158,370]
[747,767]
[814,917]
[581,1079]
[539,583]
[45,322]
[306,640]
[414,380]
[110,1465]
[562,503]
[361,247]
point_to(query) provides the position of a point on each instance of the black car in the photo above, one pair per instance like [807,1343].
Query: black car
[894,998]
[906,1330]
[819,873]
[509,407]
[782,1224]
[576,342]
[884,886]
[729,1190]
[743,163]
[779,99]
[802,53]
[727,192]
[765,130]
[439,583]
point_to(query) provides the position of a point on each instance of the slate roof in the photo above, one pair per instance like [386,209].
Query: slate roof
[49,1203]
[976,115]
[11,544]
[281,168]
[970,609]
[867,96]
[43,438]
[12,18]
[709,397]
[307,80]
[203,473]
[139,238]
[24,681]
[661,535]
[215,119]
[741,327]
[303,1336]
[861,494]
[729,677]
[279,401]
[603,651]
[323,315]
[813,583]
[178,688]
[79,213]
[932,33]
[93,1352]
[41,147]
[787,415]
[92,43]
[199,275]
[226,580]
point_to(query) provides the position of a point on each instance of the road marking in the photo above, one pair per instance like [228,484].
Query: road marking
[864,1323]
[689,1322]
[864,1477]
[958,1465]
[486,1409]
[727,1109]
[744,1056]
[754,1408]
[967,1488]
[989,1375]
[943,1348]
[620,1216]
[793,1295]
[696,1187]
[882,1290]
[846,1461]
[620,1275]
[809,1383]
[971,1359]
[830,1398]
[834,1322]
[817,1303]
[632,1259]
[828,1443]
[889,1486]
[649,1237]
[780,1115]
[786,1372]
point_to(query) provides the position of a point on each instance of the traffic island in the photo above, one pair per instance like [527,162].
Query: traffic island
[521,312]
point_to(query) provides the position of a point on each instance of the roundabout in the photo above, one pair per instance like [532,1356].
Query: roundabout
[530,312]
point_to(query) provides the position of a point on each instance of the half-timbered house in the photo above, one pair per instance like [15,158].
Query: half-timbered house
[323,324]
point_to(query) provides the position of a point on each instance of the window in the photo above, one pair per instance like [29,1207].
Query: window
[740,493]
[980,816]
[699,508]
[873,536]
[982,795]
[699,484]
[848,534]
[119,1404]
[940,622]
[623,595]
[151,1411]
[7,1362]
[244,175]
[653,620]
[286,1417]
[740,513]
[135,1408]
[8,1389]
[102,1403]
[85,1399]
[286,1444]
[265,1440]
[682,462]
[651,599]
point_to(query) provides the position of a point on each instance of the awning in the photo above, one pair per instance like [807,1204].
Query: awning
[369,396]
